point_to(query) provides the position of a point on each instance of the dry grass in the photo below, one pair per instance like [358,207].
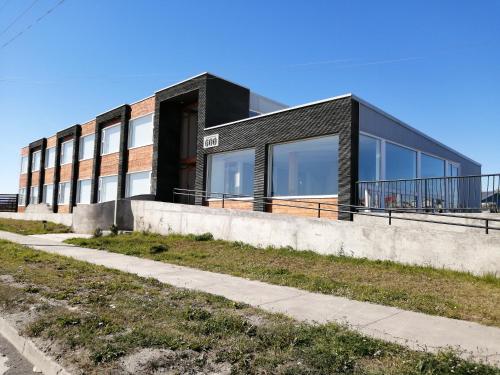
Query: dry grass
[437,292]
[32,227]
[95,320]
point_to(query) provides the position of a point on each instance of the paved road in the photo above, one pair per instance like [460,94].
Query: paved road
[11,362]
[416,330]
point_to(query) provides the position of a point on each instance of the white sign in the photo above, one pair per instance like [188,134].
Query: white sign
[211,141]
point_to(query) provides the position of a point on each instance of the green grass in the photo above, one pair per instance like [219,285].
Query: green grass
[32,227]
[437,292]
[93,317]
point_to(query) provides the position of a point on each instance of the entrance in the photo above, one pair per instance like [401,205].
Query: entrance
[187,150]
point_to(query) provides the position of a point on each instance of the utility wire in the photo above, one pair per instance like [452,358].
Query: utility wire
[19,17]
[32,24]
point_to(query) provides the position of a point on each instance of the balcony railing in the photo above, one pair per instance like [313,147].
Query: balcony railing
[442,194]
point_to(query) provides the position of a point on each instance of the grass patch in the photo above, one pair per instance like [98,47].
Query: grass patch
[32,227]
[102,316]
[431,291]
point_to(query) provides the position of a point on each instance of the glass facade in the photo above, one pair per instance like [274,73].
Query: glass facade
[369,158]
[64,192]
[84,190]
[400,162]
[48,191]
[431,166]
[34,195]
[231,172]
[35,161]
[24,164]
[307,167]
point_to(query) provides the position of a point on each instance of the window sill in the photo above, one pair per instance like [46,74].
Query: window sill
[86,159]
[134,147]
[110,153]
[68,163]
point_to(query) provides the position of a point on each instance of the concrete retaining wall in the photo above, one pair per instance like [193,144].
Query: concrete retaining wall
[86,218]
[65,219]
[477,253]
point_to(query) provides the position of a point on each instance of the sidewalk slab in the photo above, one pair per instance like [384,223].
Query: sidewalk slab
[413,329]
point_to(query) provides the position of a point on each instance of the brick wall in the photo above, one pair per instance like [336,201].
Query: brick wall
[143,107]
[65,173]
[85,169]
[233,204]
[51,142]
[109,164]
[140,159]
[88,128]
[306,207]
[49,176]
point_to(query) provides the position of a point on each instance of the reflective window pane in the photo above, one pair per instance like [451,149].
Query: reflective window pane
[231,173]
[108,188]
[110,139]
[48,191]
[35,161]
[24,164]
[138,183]
[400,162]
[66,152]
[64,191]
[22,197]
[308,167]
[87,147]
[50,157]
[34,195]
[84,189]
[431,166]
[369,158]
[141,131]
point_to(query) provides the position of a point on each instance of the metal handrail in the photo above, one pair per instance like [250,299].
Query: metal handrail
[354,209]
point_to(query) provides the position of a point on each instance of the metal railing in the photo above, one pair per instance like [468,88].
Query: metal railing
[9,202]
[484,223]
[442,194]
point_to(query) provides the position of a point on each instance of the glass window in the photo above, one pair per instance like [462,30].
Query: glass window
[84,190]
[141,131]
[50,157]
[48,193]
[231,172]
[64,191]
[35,161]
[369,158]
[308,167]
[108,188]
[138,183]
[431,166]
[110,139]
[34,195]
[86,147]
[400,162]
[24,164]
[22,197]
[452,170]
[67,152]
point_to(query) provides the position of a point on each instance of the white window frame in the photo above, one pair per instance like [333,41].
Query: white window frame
[39,152]
[270,170]
[127,181]
[44,194]
[130,130]
[22,197]
[47,151]
[62,153]
[78,191]
[32,189]
[100,187]
[80,148]
[103,137]
[26,157]
[59,203]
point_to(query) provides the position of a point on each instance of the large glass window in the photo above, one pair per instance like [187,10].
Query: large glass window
[138,183]
[231,172]
[64,192]
[141,131]
[48,192]
[452,170]
[308,167]
[84,189]
[50,157]
[369,158]
[67,152]
[431,166]
[110,139]
[34,195]
[108,188]
[35,161]
[22,197]
[24,164]
[86,147]
[400,162]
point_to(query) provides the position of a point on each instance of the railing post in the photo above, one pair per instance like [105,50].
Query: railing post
[319,210]
[390,217]
[487,226]
[223,196]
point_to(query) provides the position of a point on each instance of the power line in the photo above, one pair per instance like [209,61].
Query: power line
[32,24]
[19,16]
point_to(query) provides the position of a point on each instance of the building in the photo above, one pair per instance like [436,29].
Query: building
[215,136]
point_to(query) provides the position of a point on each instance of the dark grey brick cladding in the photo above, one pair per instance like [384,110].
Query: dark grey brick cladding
[218,101]
[338,116]
[73,133]
[35,146]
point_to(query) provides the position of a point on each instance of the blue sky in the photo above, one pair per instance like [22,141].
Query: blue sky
[433,64]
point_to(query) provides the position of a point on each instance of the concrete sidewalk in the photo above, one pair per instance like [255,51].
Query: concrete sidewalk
[415,330]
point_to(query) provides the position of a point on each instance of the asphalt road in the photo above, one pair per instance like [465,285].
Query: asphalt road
[12,362]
